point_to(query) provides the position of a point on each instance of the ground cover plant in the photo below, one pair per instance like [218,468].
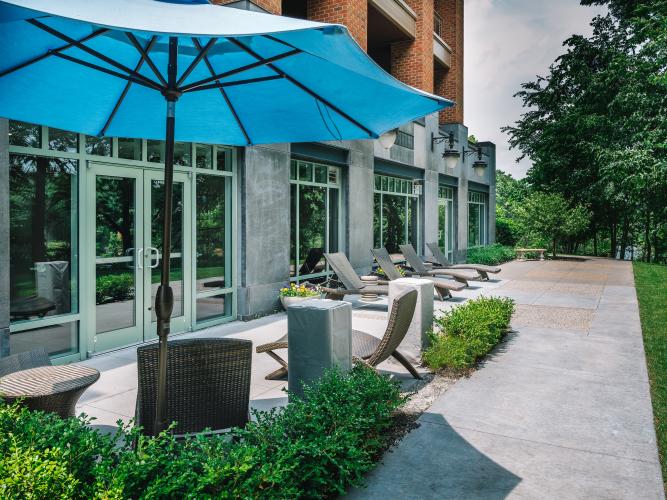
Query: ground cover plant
[315,447]
[491,255]
[651,285]
[464,334]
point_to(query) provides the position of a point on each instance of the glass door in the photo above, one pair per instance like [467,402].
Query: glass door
[180,277]
[117,239]
[127,238]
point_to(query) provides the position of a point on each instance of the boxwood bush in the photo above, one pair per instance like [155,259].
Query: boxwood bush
[491,255]
[315,447]
[466,333]
[114,288]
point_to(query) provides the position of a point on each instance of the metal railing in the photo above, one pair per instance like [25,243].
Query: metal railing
[437,24]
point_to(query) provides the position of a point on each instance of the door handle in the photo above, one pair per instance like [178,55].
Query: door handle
[157,257]
[139,255]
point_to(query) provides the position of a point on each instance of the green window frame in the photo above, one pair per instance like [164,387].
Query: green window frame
[395,202]
[446,220]
[477,219]
[202,160]
[312,178]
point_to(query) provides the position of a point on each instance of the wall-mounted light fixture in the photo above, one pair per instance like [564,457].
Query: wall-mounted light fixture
[388,139]
[452,155]
[417,187]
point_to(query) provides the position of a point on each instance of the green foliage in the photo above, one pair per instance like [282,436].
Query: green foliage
[298,291]
[510,194]
[548,217]
[595,130]
[466,333]
[380,272]
[491,255]
[316,447]
[114,288]
[651,283]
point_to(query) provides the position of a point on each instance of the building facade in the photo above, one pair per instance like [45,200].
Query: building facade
[80,216]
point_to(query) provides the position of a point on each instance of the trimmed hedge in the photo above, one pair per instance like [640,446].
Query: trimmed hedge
[491,255]
[466,333]
[315,447]
[114,288]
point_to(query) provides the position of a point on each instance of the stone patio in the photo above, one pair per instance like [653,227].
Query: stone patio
[560,410]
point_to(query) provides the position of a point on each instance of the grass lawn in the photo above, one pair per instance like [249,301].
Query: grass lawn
[651,283]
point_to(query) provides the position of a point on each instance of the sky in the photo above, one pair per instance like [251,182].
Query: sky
[508,42]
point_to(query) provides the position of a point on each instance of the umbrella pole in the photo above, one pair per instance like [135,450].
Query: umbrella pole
[164,299]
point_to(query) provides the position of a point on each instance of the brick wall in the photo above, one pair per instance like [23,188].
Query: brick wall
[412,60]
[351,13]
[272,6]
[449,83]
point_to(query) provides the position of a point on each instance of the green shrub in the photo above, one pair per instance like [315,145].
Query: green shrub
[114,288]
[491,255]
[466,333]
[315,447]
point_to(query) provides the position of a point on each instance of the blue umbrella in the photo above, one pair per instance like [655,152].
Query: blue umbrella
[239,78]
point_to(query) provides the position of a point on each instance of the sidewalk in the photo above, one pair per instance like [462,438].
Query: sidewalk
[561,410]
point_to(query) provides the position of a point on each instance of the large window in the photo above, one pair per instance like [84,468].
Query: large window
[446,220]
[477,219]
[315,217]
[395,214]
[43,246]
[54,286]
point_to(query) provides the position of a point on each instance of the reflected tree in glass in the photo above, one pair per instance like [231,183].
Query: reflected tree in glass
[210,232]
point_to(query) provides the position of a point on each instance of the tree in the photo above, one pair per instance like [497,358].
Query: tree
[510,194]
[595,126]
[545,216]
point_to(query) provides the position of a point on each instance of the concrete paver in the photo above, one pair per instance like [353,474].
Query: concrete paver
[561,410]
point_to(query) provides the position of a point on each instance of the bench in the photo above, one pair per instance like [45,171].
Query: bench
[521,253]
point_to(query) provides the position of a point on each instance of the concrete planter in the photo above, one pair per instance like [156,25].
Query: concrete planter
[288,301]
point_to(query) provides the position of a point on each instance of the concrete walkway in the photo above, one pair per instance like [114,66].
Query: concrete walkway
[561,410]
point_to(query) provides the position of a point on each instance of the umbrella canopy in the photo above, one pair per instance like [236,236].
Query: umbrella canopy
[243,77]
[119,68]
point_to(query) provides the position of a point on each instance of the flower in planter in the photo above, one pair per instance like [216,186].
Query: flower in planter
[380,272]
[295,290]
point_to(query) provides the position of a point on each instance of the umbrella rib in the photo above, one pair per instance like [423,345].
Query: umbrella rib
[127,86]
[202,53]
[303,87]
[224,95]
[111,72]
[51,52]
[219,85]
[146,57]
[93,52]
[247,67]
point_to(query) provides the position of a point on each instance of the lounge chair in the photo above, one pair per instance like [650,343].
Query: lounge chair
[441,260]
[208,384]
[350,279]
[24,361]
[418,265]
[365,346]
[442,287]
[311,261]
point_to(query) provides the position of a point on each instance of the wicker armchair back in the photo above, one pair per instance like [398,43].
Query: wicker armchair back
[24,361]
[208,384]
[402,310]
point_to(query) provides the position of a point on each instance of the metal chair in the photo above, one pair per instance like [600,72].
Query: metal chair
[208,384]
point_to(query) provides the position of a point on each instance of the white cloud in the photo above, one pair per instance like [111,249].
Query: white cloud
[508,42]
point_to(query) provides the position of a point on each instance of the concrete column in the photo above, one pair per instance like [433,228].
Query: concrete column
[319,334]
[359,206]
[430,197]
[417,337]
[4,238]
[489,149]
[263,243]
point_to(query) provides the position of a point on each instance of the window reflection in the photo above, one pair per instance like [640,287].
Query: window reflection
[58,340]
[24,134]
[43,236]
[395,214]
[216,306]
[156,152]
[129,149]
[210,232]
[62,140]
[99,146]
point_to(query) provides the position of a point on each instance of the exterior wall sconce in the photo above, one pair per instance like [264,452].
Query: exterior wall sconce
[417,187]
[452,155]
[388,139]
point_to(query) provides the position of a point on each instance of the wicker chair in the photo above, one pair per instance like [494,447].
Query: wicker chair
[24,361]
[442,287]
[442,262]
[208,384]
[366,347]
[417,264]
[350,279]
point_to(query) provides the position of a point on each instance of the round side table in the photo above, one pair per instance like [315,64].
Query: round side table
[370,281]
[54,389]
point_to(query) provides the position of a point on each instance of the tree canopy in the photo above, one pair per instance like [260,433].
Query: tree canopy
[595,127]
